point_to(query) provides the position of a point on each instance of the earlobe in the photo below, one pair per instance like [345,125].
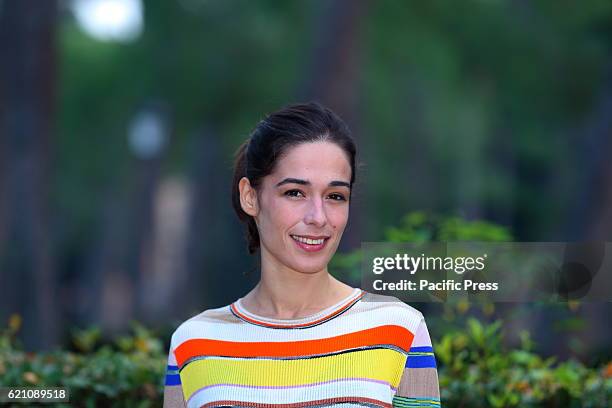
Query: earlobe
[248,197]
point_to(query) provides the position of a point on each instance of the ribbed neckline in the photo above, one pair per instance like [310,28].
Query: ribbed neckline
[307,321]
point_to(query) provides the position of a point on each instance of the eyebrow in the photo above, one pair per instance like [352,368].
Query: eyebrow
[334,183]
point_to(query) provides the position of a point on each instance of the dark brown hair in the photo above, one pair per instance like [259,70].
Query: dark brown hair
[272,137]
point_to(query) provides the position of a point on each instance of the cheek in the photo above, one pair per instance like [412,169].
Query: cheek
[338,217]
[281,214]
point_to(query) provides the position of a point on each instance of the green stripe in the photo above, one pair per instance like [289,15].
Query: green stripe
[407,402]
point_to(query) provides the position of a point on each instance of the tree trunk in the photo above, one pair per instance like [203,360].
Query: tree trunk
[27,97]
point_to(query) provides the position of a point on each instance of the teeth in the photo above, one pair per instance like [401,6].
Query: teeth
[308,240]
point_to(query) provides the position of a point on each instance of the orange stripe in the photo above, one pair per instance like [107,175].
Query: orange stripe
[329,316]
[389,334]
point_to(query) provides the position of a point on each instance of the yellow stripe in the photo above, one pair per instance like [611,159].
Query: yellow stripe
[379,364]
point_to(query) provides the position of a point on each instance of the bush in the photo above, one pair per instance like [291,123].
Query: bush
[128,373]
[477,371]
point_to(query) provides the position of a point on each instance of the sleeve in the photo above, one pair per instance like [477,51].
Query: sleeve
[419,382]
[173,390]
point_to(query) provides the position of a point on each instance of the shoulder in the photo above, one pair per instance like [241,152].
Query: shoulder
[390,304]
[391,310]
[200,325]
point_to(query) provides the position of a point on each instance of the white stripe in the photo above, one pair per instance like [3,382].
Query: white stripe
[421,337]
[171,358]
[354,388]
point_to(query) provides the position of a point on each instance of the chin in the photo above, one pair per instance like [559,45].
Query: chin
[310,268]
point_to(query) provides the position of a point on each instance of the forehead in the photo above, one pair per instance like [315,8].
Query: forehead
[314,161]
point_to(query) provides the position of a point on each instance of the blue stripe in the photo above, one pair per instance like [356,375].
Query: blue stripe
[172,368]
[173,379]
[420,361]
[423,349]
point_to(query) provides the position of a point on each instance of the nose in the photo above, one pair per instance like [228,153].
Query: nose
[316,214]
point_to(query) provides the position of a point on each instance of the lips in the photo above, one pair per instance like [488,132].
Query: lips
[310,243]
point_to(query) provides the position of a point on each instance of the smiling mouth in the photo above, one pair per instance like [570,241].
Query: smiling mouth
[309,241]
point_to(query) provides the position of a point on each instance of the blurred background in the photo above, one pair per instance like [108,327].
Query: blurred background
[119,120]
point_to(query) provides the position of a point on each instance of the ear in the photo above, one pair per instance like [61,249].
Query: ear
[248,197]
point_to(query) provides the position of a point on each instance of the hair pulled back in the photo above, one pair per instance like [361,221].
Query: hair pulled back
[273,137]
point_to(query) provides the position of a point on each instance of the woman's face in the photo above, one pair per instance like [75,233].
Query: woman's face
[303,206]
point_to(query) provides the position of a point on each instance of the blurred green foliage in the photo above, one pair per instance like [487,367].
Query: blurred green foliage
[421,226]
[476,370]
[128,372]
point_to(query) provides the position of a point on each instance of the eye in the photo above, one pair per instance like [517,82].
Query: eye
[337,197]
[294,193]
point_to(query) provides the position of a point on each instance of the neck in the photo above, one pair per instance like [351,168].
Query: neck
[284,293]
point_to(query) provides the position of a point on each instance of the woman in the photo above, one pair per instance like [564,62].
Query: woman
[300,337]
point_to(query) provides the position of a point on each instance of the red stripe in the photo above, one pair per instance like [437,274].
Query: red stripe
[389,334]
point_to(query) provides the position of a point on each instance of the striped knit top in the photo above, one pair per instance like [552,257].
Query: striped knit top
[366,351]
